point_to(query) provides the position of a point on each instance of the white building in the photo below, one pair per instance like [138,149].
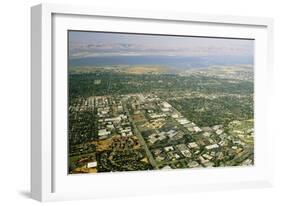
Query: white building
[212,146]
[186,153]
[197,129]
[193,145]
[169,148]
[183,121]
[92,164]
[103,132]
[219,131]
[166,105]
[165,109]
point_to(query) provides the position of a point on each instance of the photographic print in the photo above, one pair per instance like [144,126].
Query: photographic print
[141,102]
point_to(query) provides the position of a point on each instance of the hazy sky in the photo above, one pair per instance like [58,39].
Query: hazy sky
[85,44]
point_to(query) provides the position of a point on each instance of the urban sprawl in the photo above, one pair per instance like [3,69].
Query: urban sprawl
[154,127]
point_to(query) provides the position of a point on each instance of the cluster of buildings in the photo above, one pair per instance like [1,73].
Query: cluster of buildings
[171,134]
[239,72]
[112,119]
[173,141]
[165,131]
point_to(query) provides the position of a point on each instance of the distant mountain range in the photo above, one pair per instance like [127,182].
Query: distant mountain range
[162,60]
[83,50]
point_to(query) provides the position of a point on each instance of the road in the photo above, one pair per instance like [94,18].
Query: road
[140,137]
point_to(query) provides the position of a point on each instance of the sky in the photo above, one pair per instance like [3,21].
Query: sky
[92,44]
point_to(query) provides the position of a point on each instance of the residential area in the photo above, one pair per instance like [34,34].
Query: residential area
[143,132]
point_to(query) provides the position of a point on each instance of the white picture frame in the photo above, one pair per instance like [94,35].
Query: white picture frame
[49,180]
